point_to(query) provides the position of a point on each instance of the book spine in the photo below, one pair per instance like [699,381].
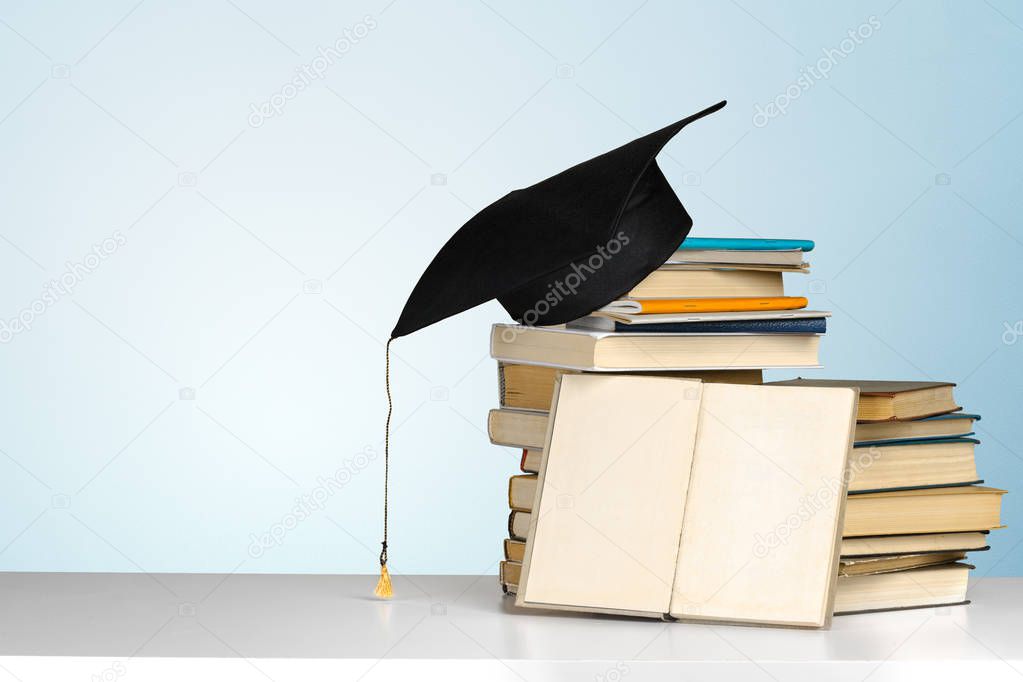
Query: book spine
[514,483]
[491,417]
[494,331]
[511,525]
[500,384]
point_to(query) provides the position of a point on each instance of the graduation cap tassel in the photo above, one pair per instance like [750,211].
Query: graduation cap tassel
[383,588]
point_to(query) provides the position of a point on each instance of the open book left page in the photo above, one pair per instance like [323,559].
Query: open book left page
[619,480]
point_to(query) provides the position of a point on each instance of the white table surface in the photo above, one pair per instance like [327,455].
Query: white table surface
[267,625]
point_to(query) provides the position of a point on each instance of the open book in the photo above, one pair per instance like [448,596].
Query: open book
[668,497]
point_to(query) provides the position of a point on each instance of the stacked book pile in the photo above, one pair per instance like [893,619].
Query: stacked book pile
[716,312]
[915,507]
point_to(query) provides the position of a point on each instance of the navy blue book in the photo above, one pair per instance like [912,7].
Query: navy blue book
[804,325]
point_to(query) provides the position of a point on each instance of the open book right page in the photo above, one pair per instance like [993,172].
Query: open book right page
[763,517]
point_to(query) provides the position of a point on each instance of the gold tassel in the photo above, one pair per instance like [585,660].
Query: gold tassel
[383,589]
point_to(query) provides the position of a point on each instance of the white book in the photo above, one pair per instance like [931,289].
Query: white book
[788,257]
[668,497]
[601,351]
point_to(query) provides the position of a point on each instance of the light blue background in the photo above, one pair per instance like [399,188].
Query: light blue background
[904,165]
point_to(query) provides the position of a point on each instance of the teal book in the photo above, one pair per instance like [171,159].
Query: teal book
[739,244]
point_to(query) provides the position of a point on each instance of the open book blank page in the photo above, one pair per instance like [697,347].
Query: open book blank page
[610,500]
[763,518]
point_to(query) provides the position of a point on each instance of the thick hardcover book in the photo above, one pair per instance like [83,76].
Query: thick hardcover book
[896,562]
[518,525]
[924,510]
[517,428]
[918,543]
[514,550]
[673,283]
[530,461]
[943,585]
[635,352]
[679,491]
[906,465]
[892,400]
[521,490]
[953,425]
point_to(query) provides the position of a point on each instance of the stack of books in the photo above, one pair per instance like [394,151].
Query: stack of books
[915,505]
[715,311]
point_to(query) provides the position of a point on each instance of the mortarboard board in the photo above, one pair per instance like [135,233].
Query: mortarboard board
[554,251]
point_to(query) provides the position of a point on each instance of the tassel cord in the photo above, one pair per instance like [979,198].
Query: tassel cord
[383,588]
[387,445]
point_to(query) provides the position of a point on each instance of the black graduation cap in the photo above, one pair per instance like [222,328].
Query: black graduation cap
[556,250]
[518,248]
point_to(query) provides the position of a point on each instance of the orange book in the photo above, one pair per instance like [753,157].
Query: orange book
[704,305]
